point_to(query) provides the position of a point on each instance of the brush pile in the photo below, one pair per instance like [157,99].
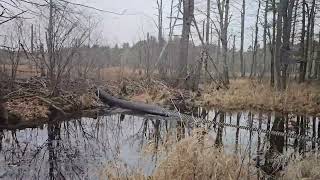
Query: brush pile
[30,99]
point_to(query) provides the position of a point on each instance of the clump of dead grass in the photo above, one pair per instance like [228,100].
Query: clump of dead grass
[245,93]
[190,159]
[307,168]
[194,157]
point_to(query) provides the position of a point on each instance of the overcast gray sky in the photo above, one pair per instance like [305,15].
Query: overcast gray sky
[138,19]
[140,16]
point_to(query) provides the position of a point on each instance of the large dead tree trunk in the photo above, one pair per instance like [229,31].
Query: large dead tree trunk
[310,53]
[242,64]
[50,44]
[218,49]
[317,62]
[279,43]
[265,38]
[255,45]
[294,22]
[273,42]
[225,43]
[160,37]
[188,8]
[233,56]
[207,36]
[285,50]
[303,63]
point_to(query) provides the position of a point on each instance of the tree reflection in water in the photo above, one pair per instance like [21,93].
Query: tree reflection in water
[80,149]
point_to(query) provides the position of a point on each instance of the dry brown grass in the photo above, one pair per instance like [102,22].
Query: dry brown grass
[245,93]
[116,73]
[190,158]
[308,169]
[23,70]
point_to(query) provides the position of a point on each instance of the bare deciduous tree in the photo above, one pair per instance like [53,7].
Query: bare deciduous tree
[63,39]
[242,64]
[188,9]
[255,44]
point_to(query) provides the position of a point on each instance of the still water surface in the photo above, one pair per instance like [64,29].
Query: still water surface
[82,148]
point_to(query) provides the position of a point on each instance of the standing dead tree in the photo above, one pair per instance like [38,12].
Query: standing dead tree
[311,24]
[233,56]
[265,24]
[160,35]
[317,61]
[255,45]
[242,64]
[303,63]
[188,9]
[223,12]
[283,42]
[273,43]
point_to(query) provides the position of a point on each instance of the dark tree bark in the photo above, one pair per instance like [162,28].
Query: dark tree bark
[273,42]
[276,147]
[303,63]
[237,133]
[218,142]
[265,38]
[279,43]
[285,49]
[317,63]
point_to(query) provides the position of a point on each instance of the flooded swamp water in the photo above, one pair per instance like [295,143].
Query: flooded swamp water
[82,148]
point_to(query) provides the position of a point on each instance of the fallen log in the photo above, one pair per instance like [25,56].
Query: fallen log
[135,106]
